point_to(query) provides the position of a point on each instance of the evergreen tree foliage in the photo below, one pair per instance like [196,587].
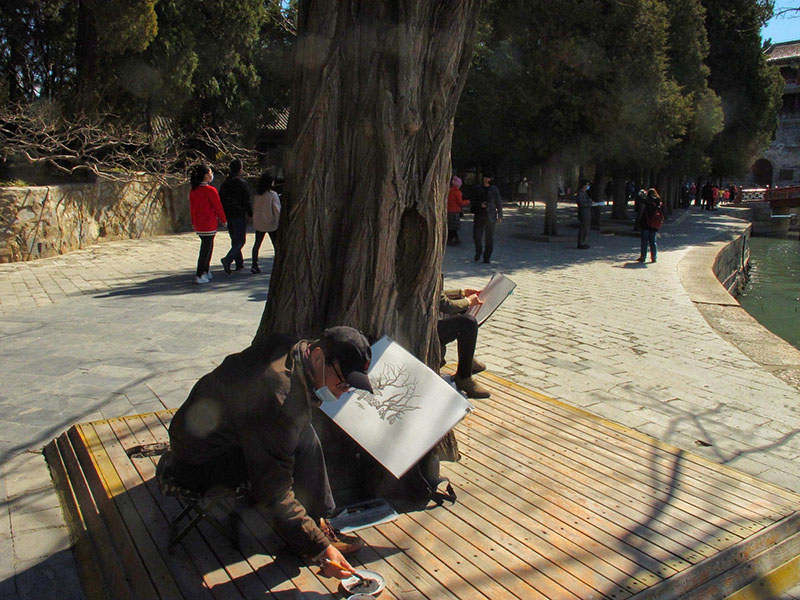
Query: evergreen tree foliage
[749,89]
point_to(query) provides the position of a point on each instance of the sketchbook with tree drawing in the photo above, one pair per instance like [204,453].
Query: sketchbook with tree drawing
[411,410]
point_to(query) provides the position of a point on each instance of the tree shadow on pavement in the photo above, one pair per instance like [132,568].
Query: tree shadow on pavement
[177,284]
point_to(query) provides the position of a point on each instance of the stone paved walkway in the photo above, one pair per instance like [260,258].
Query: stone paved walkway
[120,329]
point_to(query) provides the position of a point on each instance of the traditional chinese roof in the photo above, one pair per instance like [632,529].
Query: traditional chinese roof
[783,52]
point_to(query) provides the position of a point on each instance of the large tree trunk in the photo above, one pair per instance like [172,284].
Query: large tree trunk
[619,208]
[362,228]
[550,193]
[86,43]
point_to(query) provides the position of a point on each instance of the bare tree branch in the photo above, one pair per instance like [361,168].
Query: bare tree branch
[104,145]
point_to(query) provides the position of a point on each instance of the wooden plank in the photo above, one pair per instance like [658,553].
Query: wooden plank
[585,488]
[591,446]
[143,517]
[734,568]
[538,514]
[455,555]
[212,575]
[569,507]
[89,568]
[528,535]
[608,473]
[125,520]
[456,528]
[747,485]
[111,566]
[188,577]
[600,499]
[440,580]
[521,523]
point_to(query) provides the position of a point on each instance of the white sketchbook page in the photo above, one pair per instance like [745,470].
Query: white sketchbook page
[493,295]
[411,410]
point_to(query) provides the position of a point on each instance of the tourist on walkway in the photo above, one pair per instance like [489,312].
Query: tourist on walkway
[455,324]
[584,213]
[266,216]
[455,202]
[705,195]
[249,420]
[487,207]
[524,194]
[235,196]
[206,213]
[650,219]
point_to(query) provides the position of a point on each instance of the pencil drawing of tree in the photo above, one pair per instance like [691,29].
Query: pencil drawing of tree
[395,388]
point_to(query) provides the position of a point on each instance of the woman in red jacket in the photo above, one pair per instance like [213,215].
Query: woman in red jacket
[206,211]
[455,202]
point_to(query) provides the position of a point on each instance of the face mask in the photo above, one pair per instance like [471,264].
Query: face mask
[212,177]
[324,394]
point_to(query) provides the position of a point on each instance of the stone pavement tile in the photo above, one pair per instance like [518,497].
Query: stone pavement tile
[780,477]
[40,543]
[29,521]
[41,499]
[52,578]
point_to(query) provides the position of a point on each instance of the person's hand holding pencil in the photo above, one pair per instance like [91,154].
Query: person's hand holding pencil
[334,564]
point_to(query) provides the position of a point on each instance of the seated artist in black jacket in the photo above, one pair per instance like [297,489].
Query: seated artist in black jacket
[250,420]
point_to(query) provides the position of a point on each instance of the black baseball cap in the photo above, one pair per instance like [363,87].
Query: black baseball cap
[351,350]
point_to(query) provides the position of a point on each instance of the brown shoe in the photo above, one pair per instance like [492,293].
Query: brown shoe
[346,544]
[477,366]
[471,388]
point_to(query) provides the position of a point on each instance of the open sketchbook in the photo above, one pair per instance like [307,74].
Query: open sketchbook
[411,410]
[493,295]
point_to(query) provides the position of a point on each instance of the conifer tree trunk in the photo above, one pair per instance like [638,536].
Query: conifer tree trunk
[550,192]
[362,227]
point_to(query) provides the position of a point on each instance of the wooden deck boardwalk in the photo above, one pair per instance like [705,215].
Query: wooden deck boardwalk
[553,503]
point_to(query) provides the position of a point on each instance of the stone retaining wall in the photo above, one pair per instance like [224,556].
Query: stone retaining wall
[732,262]
[42,221]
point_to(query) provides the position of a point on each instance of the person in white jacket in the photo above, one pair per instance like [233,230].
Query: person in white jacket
[266,215]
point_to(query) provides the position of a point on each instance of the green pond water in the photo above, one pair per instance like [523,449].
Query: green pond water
[772,294]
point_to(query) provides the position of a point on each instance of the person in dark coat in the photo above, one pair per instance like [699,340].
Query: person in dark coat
[235,196]
[487,206]
[249,420]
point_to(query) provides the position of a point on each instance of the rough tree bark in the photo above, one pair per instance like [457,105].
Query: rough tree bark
[550,192]
[619,208]
[362,229]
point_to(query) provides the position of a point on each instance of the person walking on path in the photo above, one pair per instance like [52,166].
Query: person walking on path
[455,202]
[650,219]
[235,196]
[487,207]
[206,213]
[524,194]
[706,195]
[584,213]
[266,216]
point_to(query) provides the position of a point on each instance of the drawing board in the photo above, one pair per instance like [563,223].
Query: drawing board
[411,410]
[493,295]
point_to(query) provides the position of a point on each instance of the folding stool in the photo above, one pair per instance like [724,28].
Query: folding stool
[197,506]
